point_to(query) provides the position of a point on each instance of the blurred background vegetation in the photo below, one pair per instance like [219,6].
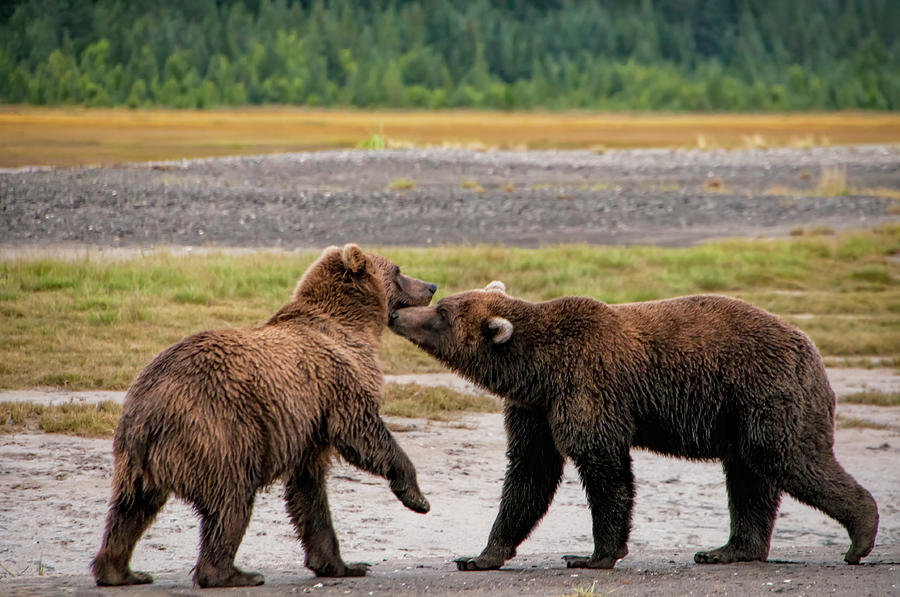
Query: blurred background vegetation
[675,55]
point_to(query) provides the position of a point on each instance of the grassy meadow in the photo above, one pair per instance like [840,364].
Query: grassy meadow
[87,321]
[75,136]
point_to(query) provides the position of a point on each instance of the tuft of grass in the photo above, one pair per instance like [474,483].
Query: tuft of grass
[472,185]
[434,403]
[873,397]
[583,591]
[886,192]
[872,274]
[857,423]
[401,184]
[192,296]
[832,182]
[754,141]
[373,141]
[82,420]
[863,362]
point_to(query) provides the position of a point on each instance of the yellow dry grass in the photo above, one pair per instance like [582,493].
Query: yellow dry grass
[833,183]
[77,136]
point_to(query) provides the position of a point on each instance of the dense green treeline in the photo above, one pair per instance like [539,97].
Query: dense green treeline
[506,54]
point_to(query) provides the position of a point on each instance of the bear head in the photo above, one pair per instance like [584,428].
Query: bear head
[347,281]
[462,330]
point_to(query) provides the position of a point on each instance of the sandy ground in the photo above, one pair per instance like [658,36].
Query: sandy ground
[54,490]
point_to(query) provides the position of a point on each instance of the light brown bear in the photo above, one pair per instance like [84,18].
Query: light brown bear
[223,413]
[701,377]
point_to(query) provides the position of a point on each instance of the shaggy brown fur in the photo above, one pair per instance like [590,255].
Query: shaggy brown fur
[702,377]
[218,415]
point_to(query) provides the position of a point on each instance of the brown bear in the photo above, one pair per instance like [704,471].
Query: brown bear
[701,377]
[223,413]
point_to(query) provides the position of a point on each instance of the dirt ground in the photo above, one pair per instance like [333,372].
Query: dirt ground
[54,490]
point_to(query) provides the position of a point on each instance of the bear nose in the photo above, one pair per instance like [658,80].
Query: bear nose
[393,315]
[432,288]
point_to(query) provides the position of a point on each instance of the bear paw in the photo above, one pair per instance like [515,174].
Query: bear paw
[342,570]
[236,578]
[604,563]
[130,577]
[479,563]
[727,554]
[412,499]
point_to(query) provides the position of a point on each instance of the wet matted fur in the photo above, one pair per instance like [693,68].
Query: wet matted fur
[701,377]
[223,413]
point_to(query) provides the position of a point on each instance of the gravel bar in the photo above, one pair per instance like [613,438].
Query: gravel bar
[529,198]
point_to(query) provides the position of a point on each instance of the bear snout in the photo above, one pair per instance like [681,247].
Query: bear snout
[432,288]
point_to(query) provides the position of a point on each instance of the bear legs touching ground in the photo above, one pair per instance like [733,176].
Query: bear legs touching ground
[223,413]
[701,377]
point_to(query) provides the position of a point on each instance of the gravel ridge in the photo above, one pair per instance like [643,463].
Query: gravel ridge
[529,198]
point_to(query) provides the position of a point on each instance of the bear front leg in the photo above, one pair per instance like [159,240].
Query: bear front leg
[609,484]
[533,473]
[307,504]
[371,447]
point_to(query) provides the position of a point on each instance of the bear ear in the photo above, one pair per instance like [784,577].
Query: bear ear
[501,328]
[496,286]
[354,259]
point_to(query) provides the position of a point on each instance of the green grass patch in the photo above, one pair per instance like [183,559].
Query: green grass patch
[857,423]
[110,317]
[402,184]
[435,403]
[100,420]
[82,420]
[874,398]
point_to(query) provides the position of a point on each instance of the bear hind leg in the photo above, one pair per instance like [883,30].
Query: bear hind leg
[221,531]
[609,485]
[824,484]
[753,504]
[131,511]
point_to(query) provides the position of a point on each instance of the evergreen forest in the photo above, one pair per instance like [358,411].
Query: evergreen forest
[672,55]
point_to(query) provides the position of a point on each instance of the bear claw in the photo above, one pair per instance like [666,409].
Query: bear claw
[727,555]
[131,578]
[587,562]
[354,569]
[467,564]
[415,501]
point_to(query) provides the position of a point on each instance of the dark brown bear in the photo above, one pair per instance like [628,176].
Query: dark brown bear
[702,377]
[221,414]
